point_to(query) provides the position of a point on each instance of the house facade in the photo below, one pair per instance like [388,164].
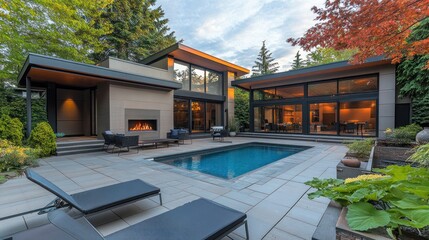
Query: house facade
[178,87]
[336,99]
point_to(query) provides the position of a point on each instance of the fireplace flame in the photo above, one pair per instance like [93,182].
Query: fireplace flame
[141,127]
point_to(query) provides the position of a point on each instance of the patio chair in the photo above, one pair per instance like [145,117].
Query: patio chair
[98,199]
[180,134]
[109,140]
[220,135]
[122,142]
[199,219]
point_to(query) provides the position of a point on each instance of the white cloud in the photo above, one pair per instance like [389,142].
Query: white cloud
[234,30]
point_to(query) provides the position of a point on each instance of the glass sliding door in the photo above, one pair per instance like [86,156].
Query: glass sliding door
[323,118]
[198,116]
[290,118]
[358,118]
[213,115]
[265,119]
[181,113]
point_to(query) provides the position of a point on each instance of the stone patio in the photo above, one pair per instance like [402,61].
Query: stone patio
[274,196]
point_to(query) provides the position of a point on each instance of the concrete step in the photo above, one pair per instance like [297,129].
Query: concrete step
[70,152]
[77,147]
[78,143]
[330,139]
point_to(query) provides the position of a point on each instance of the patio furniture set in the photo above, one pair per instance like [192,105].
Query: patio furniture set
[199,219]
[120,142]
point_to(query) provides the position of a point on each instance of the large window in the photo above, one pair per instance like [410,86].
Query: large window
[366,84]
[181,113]
[213,83]
[198,79]
[358,118]
[323,118]
[198,116]
[264,94]
[322,89]
[290,91]
[290,118]
[213,115]
[266,118]
[181,74]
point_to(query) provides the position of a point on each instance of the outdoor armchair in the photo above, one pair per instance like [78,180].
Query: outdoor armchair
[122,142]
[199,219]
[180,134]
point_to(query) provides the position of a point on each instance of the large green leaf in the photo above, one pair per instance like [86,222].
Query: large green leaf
[417,218]
[363,216]
[410,202]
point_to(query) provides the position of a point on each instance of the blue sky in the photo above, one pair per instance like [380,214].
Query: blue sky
[234,29]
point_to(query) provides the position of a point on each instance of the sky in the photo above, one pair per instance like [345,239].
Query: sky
[233,30]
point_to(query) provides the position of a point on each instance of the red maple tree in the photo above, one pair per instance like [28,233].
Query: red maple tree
[372,27]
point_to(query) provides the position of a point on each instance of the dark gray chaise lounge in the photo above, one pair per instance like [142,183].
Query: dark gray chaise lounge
[98,199]
[200,219]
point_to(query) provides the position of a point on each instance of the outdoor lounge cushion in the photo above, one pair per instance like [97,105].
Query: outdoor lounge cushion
[98,199]
[200,219]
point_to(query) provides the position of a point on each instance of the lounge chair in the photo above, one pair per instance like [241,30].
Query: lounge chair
[122,142]
[98,199]
[200,219]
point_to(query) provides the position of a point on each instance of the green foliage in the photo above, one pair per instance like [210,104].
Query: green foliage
[139,30]
[413,77]
[420,110]
[241,107]
[43,137]
[264,63]
[14,157]
[361,148]
[421,156]
[2,179]
[11,129]
[327,55]
[232,125]
[396,199]
[64,28]
[14,105]
[298,62]
[405,134]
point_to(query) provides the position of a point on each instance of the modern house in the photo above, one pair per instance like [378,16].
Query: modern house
[333,99]
[179,87]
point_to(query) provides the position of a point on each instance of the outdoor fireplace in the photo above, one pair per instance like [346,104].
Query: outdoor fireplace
[142,125]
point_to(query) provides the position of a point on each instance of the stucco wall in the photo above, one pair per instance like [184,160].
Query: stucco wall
[136,68]
[123,97]
[72,112]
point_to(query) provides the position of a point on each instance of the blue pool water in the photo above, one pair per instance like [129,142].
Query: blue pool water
[231,162]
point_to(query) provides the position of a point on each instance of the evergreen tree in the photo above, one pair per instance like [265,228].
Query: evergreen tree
[264,63]
[328,55]
[241,107]
[413,77]
[138,30]
[298,62]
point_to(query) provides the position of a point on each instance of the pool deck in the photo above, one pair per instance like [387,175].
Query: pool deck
[274,196]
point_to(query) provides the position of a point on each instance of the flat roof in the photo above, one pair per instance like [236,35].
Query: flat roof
[340,66]
[45,69]
[182,52]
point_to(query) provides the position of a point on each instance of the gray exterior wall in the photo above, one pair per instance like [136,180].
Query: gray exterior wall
[103,108]
[131,97]
[136,68]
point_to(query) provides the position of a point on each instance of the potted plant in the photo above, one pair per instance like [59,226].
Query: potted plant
[232,128]
[358,159]
[395,200]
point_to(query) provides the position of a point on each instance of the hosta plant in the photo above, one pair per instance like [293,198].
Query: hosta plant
[394,198]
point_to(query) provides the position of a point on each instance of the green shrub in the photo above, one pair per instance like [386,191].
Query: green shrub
[43,137]
[15,157]
[361,148]
[405,134]
[421,156]
[11,129]
[395,199]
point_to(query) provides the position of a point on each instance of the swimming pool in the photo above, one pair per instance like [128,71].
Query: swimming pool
[232,161]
